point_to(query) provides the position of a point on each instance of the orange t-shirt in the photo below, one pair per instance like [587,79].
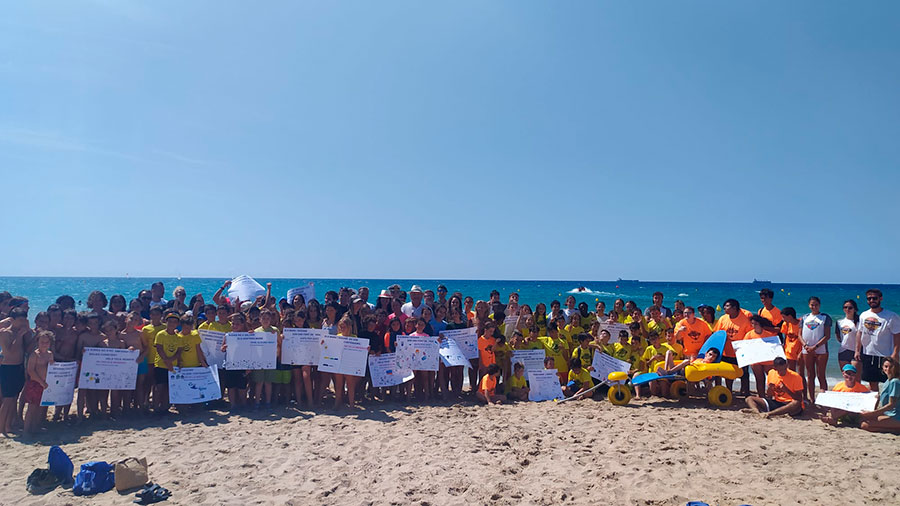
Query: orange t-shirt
[858,387]
[784,385]
[692,336]
[792,344]
[486,350]
[736,328]
[488,384]
[753,335]
[773,316]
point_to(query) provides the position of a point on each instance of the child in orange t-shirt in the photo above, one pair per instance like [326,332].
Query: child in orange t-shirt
[793,346]
[487,389]
[761,369]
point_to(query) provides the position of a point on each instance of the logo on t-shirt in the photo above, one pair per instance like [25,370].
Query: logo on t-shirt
[812,324]
[845,330]
[872,323]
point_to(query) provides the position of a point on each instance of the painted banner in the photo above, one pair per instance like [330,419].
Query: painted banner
[60,384]
[250,350]
[757,350]
[614,329]
[452,355]
[108,369]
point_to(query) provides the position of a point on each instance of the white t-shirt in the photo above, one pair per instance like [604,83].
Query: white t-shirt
[812,330]
[409,310]
[847,328]
[569,312]
[876,331]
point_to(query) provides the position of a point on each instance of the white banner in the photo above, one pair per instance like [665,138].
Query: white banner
[614,329]
[451,354]
[510,323]
[108,369]
[308,292]
[543,385]
[466,339]
[384,371]
[604,364]
[854,402]
[211,344]
[344,355]
[301,346]
[418,353]
[245,288]
[192,385]
[250,350]
[757,350]
[60,384]
[533,360]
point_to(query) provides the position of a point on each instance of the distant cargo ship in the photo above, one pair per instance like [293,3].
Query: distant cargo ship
[761,281]
[620,281]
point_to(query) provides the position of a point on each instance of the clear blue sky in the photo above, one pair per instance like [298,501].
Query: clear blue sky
[697,141]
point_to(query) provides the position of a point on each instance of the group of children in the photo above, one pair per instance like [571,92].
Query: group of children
[658,339]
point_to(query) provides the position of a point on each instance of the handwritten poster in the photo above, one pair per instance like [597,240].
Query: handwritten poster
[614,329]
[108,369]
[308,292]
[385,372]
[533,360]
[192,385]
[418,353]
[211,344]
[510,323]
[343,355]
[543,385]
[466,339]
[60,384]
[755,351]
[452,355]
[604,364]
[301,346]
[854,402]
[250,350]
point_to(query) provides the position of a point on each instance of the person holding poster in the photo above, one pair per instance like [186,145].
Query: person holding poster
[887,417]
[264,378]
[302,375]
[345,329]
[235,381]
[760,324]
[424,380]
[90,338]
[518,385]
[168,352]
[38,363]
[851,383]
[148,336]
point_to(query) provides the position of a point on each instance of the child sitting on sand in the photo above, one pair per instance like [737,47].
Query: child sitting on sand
[579,381]
[487,389]
[36,372]
[518,385]
[850,384]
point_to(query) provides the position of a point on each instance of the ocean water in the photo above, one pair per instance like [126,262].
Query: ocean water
[42,291]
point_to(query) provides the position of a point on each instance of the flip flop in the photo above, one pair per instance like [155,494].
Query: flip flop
[152,494]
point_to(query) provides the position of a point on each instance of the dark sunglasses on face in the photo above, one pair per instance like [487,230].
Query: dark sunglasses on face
[871,298]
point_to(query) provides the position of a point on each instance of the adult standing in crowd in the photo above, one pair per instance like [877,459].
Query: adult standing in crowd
[657,303]
[415,305]
[878,336]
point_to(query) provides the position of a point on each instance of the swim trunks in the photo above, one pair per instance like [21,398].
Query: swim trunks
[12,379]
[33,392]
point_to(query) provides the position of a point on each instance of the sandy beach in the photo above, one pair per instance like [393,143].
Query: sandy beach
[650,452]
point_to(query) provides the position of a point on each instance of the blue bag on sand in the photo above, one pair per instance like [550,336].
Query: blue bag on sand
[94,478]
[60,465]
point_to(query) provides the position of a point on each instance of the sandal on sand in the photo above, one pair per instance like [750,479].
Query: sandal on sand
[152,494]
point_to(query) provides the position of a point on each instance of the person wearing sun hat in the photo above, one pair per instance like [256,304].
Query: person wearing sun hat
[415,306]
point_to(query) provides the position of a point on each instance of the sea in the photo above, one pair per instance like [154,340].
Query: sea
[43,291]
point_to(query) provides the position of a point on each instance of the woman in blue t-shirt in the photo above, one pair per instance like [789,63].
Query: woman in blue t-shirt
[887,417]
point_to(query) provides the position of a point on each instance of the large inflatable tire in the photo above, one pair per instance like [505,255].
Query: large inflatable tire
[678,390]
[719,396]
[619,395]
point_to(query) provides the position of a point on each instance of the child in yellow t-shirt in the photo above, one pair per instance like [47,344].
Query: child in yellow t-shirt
[518,385]
[579,381]
[557,348]
[503,353]
[654,355]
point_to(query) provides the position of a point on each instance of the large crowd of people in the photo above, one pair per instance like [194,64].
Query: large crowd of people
[658,339]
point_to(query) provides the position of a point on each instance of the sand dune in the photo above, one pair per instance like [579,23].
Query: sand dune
[650,452]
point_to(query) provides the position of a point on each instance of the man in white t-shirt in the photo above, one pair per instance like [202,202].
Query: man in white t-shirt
[878,336]
[415,306]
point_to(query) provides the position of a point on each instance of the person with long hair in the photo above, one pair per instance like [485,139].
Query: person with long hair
[887,417]
[845,330]
[815,331]
[314,314]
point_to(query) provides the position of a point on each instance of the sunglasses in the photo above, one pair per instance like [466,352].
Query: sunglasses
[848,307]
[871,298]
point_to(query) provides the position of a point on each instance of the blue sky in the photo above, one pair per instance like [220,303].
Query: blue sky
[696,141]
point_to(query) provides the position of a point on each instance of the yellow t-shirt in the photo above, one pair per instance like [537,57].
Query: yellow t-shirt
[622,352]
[148,335]
[170,344]
[569,334]
[648,355]
[582,379]
[558,349]
[189,356]
[585,355]
[502,353]
[517,382]
[219,327]
[676,349]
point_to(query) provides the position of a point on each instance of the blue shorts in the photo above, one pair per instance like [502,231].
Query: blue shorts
[143,367]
